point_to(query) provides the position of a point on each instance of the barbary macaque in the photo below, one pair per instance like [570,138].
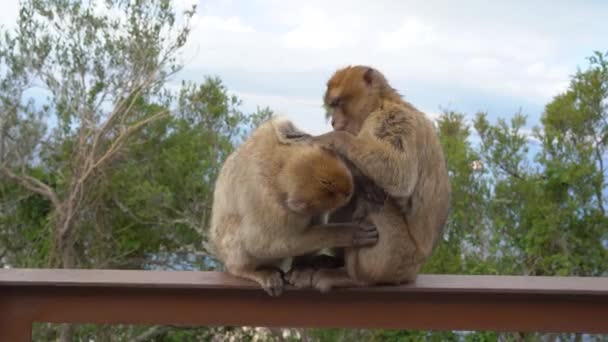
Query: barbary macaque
[266,196]
[396,147]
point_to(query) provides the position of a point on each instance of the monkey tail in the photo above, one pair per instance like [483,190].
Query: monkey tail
[287,132]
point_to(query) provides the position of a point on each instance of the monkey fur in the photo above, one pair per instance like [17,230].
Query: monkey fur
[266,196]
[397,148]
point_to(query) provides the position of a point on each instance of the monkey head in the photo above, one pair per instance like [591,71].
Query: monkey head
[352,94]
[315,182]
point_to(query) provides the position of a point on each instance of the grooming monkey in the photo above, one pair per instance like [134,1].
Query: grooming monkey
[393,144]
[266,195]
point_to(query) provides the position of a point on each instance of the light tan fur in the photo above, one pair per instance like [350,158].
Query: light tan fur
[397,148]
[265,197]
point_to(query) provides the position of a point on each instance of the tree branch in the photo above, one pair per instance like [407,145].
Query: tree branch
[117,143]
[77,189]
[34,185]
[510,172]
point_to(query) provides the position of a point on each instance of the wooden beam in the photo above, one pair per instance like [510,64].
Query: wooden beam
[434,302]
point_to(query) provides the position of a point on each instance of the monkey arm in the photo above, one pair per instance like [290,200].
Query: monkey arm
[313,239]
[393,169]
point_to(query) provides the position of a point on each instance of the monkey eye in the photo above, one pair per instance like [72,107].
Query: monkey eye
[326,182]
[328,186]
[337,102]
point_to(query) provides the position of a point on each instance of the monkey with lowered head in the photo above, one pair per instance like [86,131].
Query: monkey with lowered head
[396,146]
[266,196]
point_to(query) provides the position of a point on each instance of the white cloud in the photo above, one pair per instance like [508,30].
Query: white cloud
[436,48]
[431,114]
[9,13]
[412,33]
[318,30]
[498,49]
[219,24]
[184,5]
[303,111]
[283,100]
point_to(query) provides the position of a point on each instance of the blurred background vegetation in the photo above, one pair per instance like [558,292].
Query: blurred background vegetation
[103,165]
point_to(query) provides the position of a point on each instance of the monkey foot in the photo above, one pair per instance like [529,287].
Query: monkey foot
[308,278]
[300,277]
[273,284]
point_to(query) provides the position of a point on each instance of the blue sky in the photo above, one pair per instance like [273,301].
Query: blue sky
[466,56]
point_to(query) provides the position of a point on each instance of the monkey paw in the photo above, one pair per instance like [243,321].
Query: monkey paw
[366,235]
[300,277]
[323,285]
[273,284]
[306,277]
[326,141]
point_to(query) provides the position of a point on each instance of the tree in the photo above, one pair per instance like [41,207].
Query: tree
[94,64]
[94,69]
[574,136]
[548,216]
[465,244]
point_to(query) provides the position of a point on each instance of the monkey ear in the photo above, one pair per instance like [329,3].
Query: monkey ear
[288,133]
[368,76]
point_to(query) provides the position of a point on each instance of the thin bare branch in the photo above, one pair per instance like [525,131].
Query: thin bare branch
[77,189]
[122,137]
[134,94]
[34,185]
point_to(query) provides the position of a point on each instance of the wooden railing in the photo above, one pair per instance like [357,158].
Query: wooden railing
[434,302]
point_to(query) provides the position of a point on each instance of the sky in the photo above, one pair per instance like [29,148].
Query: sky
[469,56]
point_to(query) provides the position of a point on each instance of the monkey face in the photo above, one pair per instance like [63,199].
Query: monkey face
[320,182]
[315,202]
[350,98]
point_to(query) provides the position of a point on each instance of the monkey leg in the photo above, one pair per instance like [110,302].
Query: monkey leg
[271,279]
[326,279]
[322,279]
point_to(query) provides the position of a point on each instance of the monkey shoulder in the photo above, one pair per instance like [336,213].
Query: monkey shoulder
[393,124]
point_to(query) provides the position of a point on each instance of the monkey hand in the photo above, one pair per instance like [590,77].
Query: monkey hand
[366,235]
[336,141]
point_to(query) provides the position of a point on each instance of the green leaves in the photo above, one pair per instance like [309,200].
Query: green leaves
[514,212]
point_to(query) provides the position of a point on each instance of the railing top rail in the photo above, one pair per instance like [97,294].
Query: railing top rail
[435,302]
[220,280]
